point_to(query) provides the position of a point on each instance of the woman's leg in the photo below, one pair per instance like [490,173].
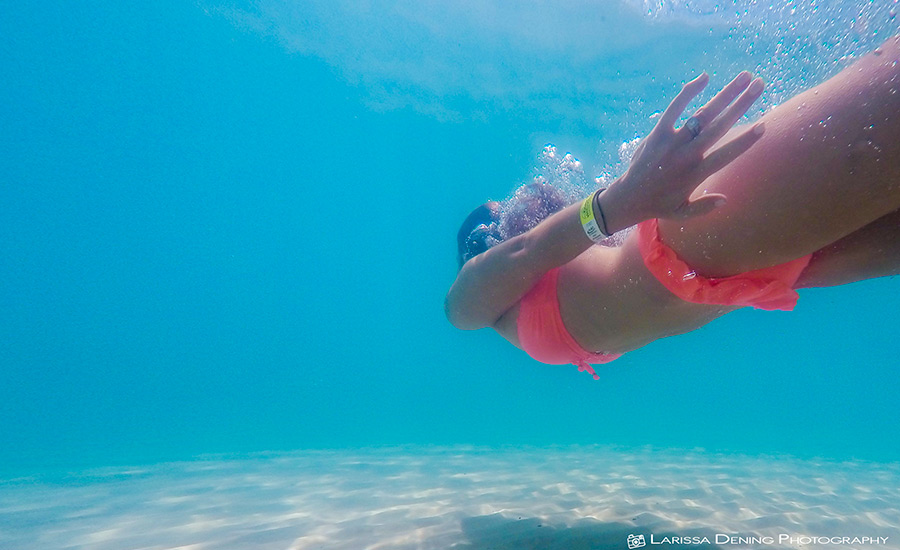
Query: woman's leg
[828,165]
[873,251]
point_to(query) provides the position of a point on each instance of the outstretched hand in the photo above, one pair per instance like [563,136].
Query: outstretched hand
[671,163]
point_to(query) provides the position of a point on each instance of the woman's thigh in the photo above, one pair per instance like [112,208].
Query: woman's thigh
[873,251]
[828,165]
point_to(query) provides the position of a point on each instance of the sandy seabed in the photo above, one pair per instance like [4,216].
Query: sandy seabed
[461,498]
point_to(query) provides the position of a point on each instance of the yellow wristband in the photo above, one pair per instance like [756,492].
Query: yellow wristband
[589,222]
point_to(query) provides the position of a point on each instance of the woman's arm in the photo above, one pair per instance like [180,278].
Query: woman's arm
[666,168]
[492,282]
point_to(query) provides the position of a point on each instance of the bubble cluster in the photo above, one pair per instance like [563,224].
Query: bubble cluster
[794,44]
[559,180]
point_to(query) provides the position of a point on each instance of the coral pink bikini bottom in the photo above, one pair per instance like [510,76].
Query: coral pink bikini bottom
[768,288]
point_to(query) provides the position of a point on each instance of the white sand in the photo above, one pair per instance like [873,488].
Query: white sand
[463,498]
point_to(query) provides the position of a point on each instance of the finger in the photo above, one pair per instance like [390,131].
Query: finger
[714,107]
[723,156]
[720,126]
[726,95]
[701,206]
[681,101]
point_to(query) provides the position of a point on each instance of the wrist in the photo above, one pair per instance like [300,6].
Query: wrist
[591,217]
[620,208]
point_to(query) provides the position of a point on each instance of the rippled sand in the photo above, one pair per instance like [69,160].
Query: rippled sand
[462,498]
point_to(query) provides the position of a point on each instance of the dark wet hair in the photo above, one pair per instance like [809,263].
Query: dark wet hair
[489,224]
[478,232]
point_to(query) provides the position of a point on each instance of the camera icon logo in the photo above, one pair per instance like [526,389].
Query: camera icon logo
[636,541]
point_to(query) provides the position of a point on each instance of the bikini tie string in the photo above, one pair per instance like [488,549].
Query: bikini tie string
[584,367]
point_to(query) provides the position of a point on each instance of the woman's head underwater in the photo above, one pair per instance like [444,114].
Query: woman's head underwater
[479,231]
[494,222]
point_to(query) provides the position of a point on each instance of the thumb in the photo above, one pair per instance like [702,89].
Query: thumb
[701,206]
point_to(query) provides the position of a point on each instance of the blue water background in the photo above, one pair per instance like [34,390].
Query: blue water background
[220,233]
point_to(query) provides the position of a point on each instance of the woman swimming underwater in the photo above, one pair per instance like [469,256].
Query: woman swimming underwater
[726,218]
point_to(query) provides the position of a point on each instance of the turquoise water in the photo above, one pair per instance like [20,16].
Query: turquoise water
[229,228]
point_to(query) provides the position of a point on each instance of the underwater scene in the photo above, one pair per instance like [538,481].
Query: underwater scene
[227,231]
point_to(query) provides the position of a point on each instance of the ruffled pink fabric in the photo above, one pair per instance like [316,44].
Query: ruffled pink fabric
[770,288]
[543,335]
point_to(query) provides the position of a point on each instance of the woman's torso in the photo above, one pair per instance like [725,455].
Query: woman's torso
[610,303]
